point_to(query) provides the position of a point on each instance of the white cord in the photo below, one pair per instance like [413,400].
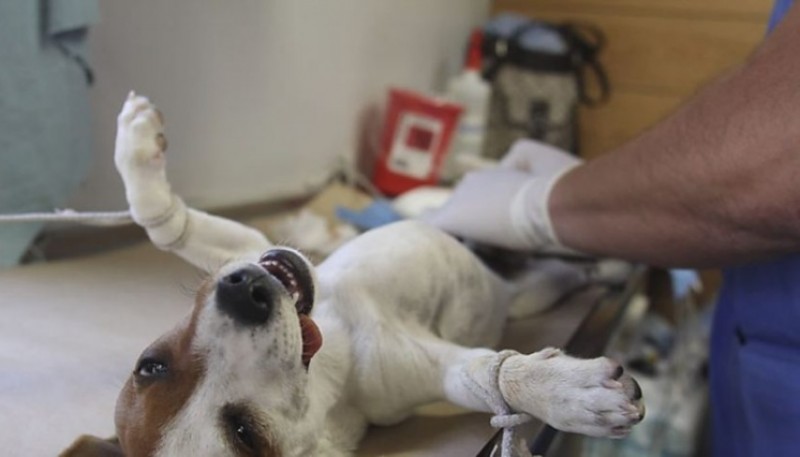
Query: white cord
[98,218]
[503,417]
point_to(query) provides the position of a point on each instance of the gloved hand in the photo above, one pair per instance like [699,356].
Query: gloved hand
[507,205]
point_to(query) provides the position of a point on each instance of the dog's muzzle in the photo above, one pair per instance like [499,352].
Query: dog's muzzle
[247,295]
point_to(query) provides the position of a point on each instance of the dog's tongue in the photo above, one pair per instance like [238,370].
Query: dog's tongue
[312,338]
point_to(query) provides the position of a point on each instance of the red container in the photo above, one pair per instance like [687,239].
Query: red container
[415,141]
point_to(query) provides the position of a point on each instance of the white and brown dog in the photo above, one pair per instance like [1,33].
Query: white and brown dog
[282,358]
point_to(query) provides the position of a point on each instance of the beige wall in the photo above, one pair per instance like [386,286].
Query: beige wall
[658,53]
[261,96]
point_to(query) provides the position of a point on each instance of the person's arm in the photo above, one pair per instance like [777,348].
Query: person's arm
[717,183]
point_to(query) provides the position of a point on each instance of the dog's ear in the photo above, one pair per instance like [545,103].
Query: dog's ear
[91,446]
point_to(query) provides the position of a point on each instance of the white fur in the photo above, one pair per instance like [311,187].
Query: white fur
[406,312]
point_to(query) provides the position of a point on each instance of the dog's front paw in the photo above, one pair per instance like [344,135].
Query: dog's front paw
[140,143]
[139,157]
[592,397]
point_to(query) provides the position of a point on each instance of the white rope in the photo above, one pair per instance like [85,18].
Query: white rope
[99,218]
[503,417]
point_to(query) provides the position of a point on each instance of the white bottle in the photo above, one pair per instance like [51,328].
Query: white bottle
[469,90]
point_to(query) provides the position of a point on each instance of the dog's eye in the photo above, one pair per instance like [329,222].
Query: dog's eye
[244,435]
[151,368]
[242,429]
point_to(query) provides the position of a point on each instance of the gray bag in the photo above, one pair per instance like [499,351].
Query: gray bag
[538,76]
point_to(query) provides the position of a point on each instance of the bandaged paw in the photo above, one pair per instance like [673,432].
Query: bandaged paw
[481,377]
[140,138]
[140,161]
[592,397]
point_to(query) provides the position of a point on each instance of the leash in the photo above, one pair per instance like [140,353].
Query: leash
[96,218]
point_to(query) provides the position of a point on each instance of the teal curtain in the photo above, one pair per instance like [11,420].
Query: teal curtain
[45,143]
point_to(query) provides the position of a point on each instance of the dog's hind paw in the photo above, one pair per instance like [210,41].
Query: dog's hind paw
[593,397]
[140,142]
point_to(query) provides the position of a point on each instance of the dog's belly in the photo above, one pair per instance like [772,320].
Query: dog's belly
[399,289]
[413,276]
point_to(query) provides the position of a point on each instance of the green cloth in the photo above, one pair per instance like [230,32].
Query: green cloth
[45,142]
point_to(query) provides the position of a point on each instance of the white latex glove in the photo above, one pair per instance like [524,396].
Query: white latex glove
[538,159]
[507,205]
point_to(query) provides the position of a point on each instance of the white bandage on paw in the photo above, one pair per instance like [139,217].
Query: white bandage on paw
[482,378]
[168,230]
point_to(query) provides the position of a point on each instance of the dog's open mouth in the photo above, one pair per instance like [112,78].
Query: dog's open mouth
[288,268]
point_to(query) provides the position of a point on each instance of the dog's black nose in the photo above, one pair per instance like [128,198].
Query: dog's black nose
[246,295]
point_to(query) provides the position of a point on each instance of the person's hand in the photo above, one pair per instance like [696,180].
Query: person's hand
[506,205]
[538,159]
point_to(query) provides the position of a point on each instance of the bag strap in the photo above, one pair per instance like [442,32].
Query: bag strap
[585,41]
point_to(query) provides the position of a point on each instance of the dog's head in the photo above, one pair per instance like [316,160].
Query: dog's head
[230,380]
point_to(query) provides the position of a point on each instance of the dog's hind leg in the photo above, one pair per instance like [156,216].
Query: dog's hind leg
[543,284]
[203,240]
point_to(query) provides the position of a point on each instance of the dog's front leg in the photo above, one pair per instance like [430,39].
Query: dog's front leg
[589,396]
[592,397]
[203,240]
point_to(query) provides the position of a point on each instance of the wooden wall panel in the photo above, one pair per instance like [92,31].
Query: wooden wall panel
[664,52]
[668,54]
[659,52]
[757,10]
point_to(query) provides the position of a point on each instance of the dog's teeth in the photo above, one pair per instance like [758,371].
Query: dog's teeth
[286,275]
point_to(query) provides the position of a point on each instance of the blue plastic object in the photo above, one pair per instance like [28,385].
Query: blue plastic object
[378,213]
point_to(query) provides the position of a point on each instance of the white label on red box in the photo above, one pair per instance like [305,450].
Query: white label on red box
[415,142]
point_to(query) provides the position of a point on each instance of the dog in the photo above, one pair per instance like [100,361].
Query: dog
[283,358]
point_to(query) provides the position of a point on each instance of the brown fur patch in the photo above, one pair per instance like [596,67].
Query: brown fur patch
[91,446]
[144,409]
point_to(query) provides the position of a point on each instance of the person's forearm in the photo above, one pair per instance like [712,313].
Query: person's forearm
[715,184]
